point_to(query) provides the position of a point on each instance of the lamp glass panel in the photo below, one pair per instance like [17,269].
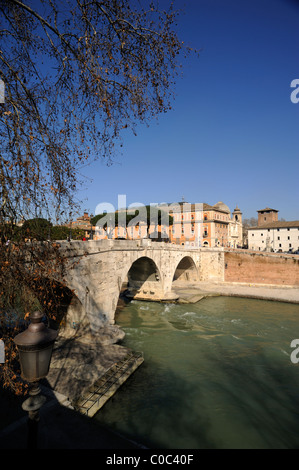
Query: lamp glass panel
[35,364]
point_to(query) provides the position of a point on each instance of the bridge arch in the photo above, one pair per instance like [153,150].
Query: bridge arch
[186,270]
[148,269]
[57,301]
[64,305]
[143,279]
[143,269]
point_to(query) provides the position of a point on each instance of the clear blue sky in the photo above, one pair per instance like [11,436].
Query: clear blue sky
[233,133]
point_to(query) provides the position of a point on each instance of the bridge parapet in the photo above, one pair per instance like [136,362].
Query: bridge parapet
[106,244]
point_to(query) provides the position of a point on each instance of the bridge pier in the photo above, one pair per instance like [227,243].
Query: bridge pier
[151,292]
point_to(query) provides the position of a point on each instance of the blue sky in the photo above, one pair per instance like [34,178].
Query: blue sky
[233,132]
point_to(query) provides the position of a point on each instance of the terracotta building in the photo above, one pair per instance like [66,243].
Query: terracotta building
[207,226]
[267,215]
[83,223]
[134,230]
[196,225]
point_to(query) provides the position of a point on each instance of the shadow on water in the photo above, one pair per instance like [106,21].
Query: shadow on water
[158,417]
[259,409]
[264,397]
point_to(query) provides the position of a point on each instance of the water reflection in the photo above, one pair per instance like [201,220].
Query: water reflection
[217,374]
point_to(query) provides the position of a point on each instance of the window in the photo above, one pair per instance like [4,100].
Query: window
[288,238]
[278,230]
[279,245]
[278,238]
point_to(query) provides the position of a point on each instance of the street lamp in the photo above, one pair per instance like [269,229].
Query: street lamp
[35,346]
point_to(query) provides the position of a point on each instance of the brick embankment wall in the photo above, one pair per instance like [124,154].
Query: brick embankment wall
[261,268]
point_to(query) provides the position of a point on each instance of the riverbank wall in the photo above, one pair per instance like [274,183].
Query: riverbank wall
[261,268]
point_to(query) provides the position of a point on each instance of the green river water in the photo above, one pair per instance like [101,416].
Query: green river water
[216,374]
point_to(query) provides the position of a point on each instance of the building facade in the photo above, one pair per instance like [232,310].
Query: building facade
[220,228]
[273,235]
[207,226]
[236,229]
[194,225]
[83,223]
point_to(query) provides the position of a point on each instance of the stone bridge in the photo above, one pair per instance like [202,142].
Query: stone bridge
[97,271]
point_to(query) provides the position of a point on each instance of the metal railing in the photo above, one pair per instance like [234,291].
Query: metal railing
[102,386]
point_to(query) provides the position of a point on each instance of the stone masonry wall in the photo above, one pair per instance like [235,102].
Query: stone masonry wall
[212,264]
[261,268]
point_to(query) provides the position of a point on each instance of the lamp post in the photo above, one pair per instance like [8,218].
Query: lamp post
[35,346]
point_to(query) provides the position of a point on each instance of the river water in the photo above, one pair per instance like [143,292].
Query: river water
[216,374]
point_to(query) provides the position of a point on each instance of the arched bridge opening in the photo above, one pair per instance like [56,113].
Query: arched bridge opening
[60,304]
[143,270]
[186,271]
[143,280]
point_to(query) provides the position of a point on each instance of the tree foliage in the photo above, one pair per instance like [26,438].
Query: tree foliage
[37,229]
[77,75]
[59,232]
[252,222]
[114,216]
[150,216]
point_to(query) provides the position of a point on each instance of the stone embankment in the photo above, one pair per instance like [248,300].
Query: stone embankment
[192,293]
[86,370]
